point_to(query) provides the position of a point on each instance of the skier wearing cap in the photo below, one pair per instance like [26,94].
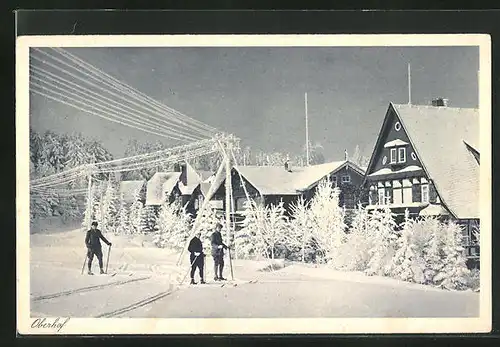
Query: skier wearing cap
[197,257]
[218,252]
[93,243]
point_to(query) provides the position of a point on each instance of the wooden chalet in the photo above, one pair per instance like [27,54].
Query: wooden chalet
[270,184]
[426,160]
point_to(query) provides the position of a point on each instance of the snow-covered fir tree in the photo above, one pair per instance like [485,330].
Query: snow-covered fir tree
[123,225]
[433,252]
[208,221]
[136,213]
[405,255]
[172,227]
[165,225]
[147,219]
[382,227]
[455,272]
[97,206]
[181,229]
[274,228]
[246,238]
[327,218]
[299,235]
[110,207]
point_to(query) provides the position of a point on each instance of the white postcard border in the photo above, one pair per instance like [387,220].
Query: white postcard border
[91,326]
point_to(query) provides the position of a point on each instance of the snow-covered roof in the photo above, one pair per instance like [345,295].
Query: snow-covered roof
[275,180]
[205,174]
[395,143]
[438,135]
[433,210]
[387,171]
[128,189]
[161,184]
[193,179]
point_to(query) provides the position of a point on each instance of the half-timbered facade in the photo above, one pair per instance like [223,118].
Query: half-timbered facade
[426,160]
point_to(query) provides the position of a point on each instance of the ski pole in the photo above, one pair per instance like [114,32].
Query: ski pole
[188,270]
[107,262]
[84,262]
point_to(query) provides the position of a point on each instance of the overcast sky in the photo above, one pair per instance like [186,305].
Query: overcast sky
[258,93]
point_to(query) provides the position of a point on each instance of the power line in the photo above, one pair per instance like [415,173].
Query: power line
[134,91]
[92,112]
[81,100]
[69,84]
[101,80]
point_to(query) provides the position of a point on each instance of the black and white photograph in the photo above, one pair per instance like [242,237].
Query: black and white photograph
[297,183]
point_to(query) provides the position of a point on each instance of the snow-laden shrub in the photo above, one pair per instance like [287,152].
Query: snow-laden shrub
[263,230]
[382,226]
[208,221]
[359,241]
[472,280]
[172,227]
[327,222]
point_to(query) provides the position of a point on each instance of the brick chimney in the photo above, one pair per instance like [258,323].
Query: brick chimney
[440,102]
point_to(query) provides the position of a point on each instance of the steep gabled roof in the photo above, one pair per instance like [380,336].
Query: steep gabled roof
[274,180]
[438,135]
[193,179]
[158,185]
[128,189]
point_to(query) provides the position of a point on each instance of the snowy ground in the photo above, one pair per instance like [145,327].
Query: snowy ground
[146,285]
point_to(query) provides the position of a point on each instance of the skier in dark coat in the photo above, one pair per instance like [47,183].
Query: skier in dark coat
[197,257]
[93,243]
[218,252]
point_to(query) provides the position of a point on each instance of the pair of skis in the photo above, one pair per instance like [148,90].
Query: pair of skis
[107,262]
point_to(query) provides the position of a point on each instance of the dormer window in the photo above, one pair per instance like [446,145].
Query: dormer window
[393,155]
[401,155]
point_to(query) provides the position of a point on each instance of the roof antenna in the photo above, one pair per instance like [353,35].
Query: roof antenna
[409,84]
[307,131]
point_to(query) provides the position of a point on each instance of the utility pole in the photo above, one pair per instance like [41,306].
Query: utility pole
[228,192]
[307,133]
[409,84]
[89,201]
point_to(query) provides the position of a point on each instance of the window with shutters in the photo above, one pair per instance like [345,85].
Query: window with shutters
[425,193]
